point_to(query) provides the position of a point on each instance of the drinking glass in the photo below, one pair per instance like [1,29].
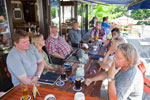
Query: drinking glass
[79,96]
[78,82]
[25,92]
[63,76]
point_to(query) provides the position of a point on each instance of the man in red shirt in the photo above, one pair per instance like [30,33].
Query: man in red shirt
[56,46]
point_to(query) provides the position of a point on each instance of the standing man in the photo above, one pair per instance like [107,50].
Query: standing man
[75,35]
[106,25]
[97,32]
[24,62]
[57,47]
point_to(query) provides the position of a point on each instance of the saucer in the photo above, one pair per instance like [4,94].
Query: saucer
[28,98]
[60,83]
[63,79]
[93,52]
[72,79]
[75,89]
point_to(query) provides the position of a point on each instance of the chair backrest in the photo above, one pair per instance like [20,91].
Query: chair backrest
[5,77]
[142,68]
[49,57]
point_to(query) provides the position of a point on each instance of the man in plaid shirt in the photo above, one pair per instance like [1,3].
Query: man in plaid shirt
[56,46]
[97,32]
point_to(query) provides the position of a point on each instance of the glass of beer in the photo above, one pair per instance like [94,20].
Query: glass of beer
[78,82]
[25,92]
[92,38]
[63,76]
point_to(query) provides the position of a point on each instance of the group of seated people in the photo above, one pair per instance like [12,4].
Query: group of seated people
[26,61]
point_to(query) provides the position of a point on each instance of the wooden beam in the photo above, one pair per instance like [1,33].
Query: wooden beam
[67,3]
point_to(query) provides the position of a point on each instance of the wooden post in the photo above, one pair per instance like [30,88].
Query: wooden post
[43,17]
[81,18]
[60,29]
[75,10]
[86,18]
[9,14]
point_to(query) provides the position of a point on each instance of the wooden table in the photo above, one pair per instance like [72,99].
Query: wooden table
[15,94]
[93,90]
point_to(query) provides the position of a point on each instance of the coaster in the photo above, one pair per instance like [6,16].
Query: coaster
[63,79]
[27,99]
[72,79]
[75,89]
[60,83]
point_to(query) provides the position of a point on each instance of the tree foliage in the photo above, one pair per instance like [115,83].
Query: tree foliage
[140,14]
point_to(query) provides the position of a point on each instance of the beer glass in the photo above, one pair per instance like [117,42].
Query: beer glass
[63,76]
[92,38]
[25,92]
[78,82]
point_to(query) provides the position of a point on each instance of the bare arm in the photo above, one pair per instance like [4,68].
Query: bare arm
[46,66]
[98,77]
[24,79]
[40,67]
[39,71]
[111,85]
[57,55]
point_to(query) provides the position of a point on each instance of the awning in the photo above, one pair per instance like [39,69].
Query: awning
[142,5]
[117,2]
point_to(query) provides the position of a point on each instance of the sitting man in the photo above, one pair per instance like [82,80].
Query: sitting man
[57,47]
[24,61]
[116,32]
[125,81]
[75,35]
[97,32]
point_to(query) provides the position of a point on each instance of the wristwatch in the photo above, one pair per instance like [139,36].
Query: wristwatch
[38,76]
[110,79]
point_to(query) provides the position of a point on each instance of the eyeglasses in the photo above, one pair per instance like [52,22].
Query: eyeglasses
[118,58]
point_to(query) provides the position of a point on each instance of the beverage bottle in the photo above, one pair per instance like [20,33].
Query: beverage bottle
[80,70]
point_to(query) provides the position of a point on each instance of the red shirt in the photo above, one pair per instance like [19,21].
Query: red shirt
[58,45]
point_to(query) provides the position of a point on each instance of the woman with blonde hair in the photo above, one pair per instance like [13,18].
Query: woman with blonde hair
[108,59]
[125,81]
[39,42]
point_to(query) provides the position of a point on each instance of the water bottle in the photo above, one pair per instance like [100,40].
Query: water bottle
[80,70]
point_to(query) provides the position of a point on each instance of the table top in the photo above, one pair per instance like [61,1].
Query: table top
[93,90]
[15,94]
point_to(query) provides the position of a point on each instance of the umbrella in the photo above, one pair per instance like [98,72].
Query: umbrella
[142,5]
[124,20]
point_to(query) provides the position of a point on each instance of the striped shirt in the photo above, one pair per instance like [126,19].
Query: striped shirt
[100,33]
[58,45]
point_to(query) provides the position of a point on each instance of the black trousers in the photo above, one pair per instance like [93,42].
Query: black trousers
[57,61]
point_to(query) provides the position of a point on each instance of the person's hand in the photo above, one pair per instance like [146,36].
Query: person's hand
[111,51]
[35,79]
[88,81]
[104,66]
[113,71]
[54,69]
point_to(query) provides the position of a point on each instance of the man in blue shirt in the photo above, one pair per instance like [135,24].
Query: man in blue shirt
[75,35]
[106,25]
